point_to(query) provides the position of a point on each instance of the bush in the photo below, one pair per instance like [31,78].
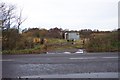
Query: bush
[102,43]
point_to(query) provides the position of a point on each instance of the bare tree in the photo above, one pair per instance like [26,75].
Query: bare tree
[7,15]
[10,19]
[20,20]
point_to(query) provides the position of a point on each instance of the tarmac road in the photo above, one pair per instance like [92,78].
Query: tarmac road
[34,65]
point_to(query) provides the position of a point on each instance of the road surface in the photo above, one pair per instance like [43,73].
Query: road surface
[86,65]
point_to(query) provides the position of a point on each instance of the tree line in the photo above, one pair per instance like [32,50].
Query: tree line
[25,39]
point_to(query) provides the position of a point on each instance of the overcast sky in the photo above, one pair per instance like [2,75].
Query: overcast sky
[69,14]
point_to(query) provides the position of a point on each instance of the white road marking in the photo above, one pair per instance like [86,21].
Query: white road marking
[67,52]
[92,57]
[77,75]
[84,58]
[78,52]
[6,60]
[109,57]
[50,53]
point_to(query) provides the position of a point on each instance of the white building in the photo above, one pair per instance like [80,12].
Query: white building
[72,36]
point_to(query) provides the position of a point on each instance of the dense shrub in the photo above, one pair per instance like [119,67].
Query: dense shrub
[105,42]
